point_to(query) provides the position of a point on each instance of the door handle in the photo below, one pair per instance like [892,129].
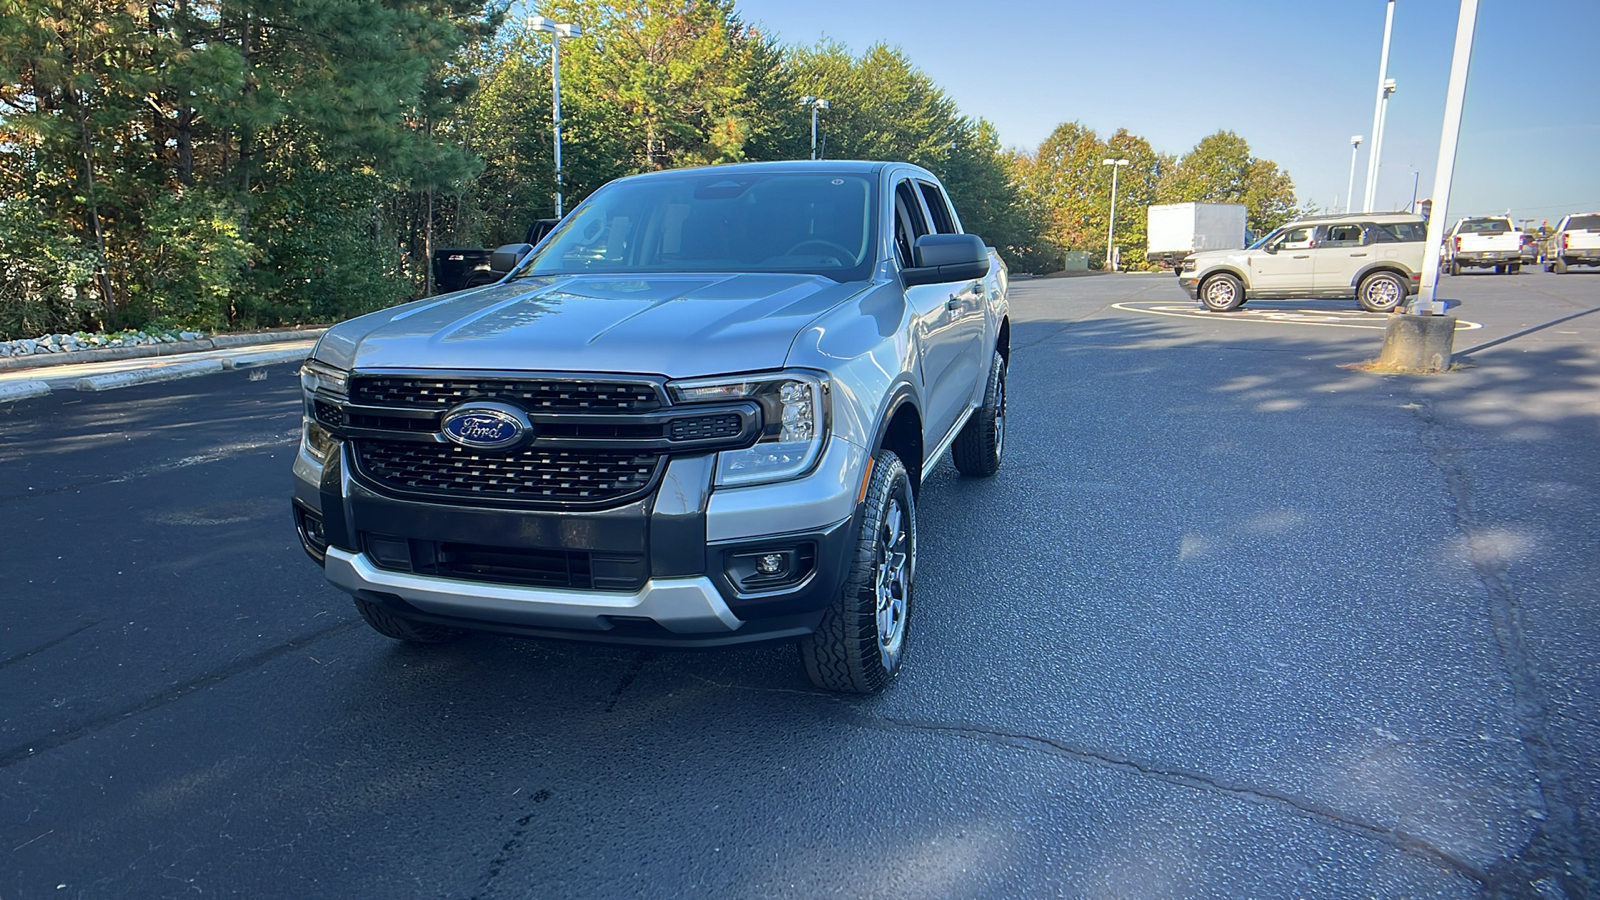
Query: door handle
[954,303]
[1358,254]
[1302,256]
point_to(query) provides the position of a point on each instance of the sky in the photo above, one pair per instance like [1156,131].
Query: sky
[1296,79]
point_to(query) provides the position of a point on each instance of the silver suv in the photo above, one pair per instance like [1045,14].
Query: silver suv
[1374,257]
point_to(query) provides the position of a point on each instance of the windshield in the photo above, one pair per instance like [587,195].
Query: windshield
[819,223]
[1261,242]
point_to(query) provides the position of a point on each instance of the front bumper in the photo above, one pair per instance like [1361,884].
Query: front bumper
[1190,282]
[663,570]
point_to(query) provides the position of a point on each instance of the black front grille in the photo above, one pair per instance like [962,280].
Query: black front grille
[528,475]
[577,569]
[329,414]
[700,428]
[534,395]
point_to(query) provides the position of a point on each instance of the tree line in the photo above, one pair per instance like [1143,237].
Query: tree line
[222,164]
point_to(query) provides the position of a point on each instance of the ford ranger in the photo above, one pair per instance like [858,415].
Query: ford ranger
[699,413]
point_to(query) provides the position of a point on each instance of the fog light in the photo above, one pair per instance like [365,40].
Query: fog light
[772,564]
[309,525]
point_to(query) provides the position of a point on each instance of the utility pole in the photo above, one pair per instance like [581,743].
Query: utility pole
[1385,88]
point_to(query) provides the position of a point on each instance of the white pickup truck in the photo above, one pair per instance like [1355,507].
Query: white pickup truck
[1575,242]
[1484,242]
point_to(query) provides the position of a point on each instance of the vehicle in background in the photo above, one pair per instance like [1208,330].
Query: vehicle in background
[1483,242]
[1179,229]
[1376,258]
[459,268]
[1530,249]
[1575,242]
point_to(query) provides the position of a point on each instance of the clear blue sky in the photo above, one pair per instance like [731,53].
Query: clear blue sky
[1294,78]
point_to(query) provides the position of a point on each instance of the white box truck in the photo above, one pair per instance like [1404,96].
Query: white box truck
[1179,229]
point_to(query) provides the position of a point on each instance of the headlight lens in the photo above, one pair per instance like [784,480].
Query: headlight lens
[318,442]
[318,376]
[1188,265]
[794,408]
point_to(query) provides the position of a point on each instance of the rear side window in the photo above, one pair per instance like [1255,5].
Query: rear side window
[1485,226]
[1399,232]
[1344,234]
[1583,223]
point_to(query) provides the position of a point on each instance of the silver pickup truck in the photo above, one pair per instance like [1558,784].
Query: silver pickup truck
[699,413]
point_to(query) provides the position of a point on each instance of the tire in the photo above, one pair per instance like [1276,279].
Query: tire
[400,628]
[980,447]
[1514,269]
[1499,270]
[861,641]
[480,279]
[1221,293]
[1381,292]
[1455,267]
[1560,266]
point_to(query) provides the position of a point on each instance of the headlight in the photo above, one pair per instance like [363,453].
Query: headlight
[318,376]
[1188,265]
[318,442]
[794,412]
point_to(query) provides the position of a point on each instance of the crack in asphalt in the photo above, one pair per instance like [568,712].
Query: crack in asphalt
[29,749]
[35,651]
[1406,843]
[1557,850]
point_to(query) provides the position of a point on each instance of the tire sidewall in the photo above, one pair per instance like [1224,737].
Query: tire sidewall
[1207,286]
[1380,278]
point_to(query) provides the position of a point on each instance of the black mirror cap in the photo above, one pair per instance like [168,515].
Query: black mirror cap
[506,256]
[938,258]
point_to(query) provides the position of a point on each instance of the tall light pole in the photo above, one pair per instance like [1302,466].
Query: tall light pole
[1350,192]
[1115,164]
[1377,145]
[1449,139]
[558,30]
[815,103]
[1385,88]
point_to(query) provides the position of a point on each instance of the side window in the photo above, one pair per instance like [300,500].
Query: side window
[943,222]
[1293,239]
[908,222]
[1344,235]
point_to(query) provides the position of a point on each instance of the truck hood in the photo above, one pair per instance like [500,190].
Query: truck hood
[677,326]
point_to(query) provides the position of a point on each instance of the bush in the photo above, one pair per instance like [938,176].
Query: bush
[193,262]
[46,275]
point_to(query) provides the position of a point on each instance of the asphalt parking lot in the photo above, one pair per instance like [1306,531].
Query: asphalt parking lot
[1234,620]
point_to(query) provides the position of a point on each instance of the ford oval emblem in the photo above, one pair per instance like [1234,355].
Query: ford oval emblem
[486,426]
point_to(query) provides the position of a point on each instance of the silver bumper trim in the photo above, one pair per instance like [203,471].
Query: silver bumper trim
[680,605]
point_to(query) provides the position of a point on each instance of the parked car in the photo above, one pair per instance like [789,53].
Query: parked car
[458,268]
[699,413]
[1530,249]
[1575,242]
[1484,242]
[1376,258]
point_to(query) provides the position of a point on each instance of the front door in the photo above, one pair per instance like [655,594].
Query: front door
[1284,266]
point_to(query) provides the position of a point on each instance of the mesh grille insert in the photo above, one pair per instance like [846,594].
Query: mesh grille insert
[533,395]
[530,475]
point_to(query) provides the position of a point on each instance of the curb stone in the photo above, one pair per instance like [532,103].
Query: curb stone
[114,380]
[22,390]
[144,351]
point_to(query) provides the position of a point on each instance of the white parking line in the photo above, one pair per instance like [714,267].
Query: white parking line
[1327,318]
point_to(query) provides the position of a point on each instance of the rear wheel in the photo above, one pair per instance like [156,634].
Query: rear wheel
[981,445]
[859,644]
[1221,293]
[1514,268]
[1455,267]
[400,628]
[1381,292]
[1561,266]
[1499,270]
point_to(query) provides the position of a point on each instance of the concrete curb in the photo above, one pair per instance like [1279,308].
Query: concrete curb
[22,390]
[145,351]
[266,358]
[114,380]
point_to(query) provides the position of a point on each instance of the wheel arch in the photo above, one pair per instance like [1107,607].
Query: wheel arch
[1407,277]
[900,430]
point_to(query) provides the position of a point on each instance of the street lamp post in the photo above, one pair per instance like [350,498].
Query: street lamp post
[815,103]
[1115,164]
[1349,192]
[1385,87]
[558,30]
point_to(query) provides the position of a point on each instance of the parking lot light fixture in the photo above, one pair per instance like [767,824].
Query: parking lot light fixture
[1111,225]
[815,103]
[1349,192]
[558,30]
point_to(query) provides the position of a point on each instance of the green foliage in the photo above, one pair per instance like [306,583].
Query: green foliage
[46,274]
[1221,169]
[194,260]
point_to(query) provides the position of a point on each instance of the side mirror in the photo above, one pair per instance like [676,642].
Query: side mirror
[1270,248]
[938,258]
[506,256]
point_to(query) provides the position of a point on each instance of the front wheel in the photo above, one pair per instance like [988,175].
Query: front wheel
[1381,292]
[981,445]
[861,641]
[1222,293]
